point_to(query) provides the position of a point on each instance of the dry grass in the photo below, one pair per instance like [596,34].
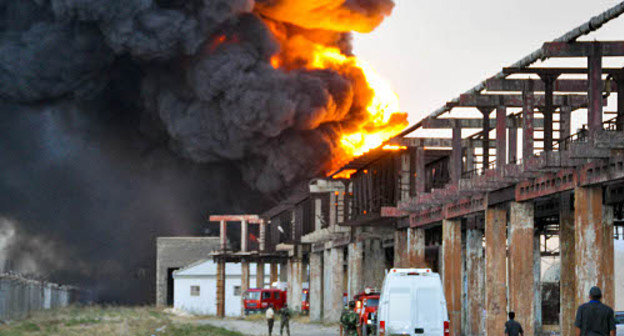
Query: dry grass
[108,321]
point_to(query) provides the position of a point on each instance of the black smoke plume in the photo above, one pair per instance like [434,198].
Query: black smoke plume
[123,120]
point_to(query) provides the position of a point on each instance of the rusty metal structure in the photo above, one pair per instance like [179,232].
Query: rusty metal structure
[480,206]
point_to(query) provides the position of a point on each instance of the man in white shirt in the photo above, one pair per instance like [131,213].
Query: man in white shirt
[270,316]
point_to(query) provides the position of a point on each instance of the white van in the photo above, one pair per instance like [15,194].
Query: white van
[412,303]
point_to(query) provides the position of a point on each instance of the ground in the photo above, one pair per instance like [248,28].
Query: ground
[148,321]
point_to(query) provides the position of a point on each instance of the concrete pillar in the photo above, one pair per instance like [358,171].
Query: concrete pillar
[260,275]
[521,272]
[283,272]
[244,235]
[262,236]
[400,248]
[537,282]
[295,285]
[220,289]
[375,261]
[528,102]
[356,276]
[495,271]
[456,154]
[223,234]
[596,86]
[593,232]
[273,274]
[512,152]
[333,284]
[451,245]
[501,136]
[567,285]
[316,287]
[244,283]
[475,274]
[416,248]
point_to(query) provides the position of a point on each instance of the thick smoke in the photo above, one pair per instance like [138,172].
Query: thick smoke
[123,120]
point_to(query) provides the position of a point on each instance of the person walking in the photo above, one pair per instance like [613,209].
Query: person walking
[285,319]
[512,327]
[595,318]
[270,317]
[349,322]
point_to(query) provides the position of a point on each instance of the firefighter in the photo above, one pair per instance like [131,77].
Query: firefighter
[285,319]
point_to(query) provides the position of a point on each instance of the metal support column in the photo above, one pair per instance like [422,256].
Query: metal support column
[594,110]
[501,136]
[594,256]
[522,288]
[528,109]
[495,271]
[452,247]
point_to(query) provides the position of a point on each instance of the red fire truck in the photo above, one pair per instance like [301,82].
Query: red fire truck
[305,302]
[257,300]
[366,304]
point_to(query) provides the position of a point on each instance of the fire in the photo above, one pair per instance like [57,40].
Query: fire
[345,174]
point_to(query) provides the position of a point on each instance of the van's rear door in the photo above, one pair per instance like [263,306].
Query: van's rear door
[429,320]
[400,309]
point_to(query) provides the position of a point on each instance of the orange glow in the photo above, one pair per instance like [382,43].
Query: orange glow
[345,174]
[393,147]
[276,62]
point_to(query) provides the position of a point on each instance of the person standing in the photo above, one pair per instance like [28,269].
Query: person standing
[350,321]
[512,327]
[595,318]
[270,317]
[285,319]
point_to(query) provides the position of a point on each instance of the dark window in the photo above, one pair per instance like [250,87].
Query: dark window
[266,295]
[276,295]
[170,285]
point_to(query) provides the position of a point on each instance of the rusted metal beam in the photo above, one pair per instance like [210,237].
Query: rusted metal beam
[494,100]
[557,71]
[468,123]
[438,142]
[547,184]
[581,49]
[495,270]
[559,85]
[235,218]
[465,206]
[528,107]
[426,217]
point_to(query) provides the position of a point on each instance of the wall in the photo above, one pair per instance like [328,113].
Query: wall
[178,252]
[619,275]
[204,275]
[19,296]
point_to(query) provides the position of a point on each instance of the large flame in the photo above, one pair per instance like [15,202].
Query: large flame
[376,117]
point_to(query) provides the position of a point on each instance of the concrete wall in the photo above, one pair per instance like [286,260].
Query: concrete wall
[178,252]
[619,275]
[19,296]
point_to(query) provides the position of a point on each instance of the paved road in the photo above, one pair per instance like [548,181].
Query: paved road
[259,328]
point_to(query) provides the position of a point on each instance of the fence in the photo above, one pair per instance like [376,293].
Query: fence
[20,296]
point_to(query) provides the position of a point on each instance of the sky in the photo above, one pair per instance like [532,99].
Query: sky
[432,51]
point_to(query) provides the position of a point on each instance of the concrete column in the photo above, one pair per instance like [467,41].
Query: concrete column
[521,272]
[512,156]
[220,289]
[244,283]
[451,245]
[274,275]
[596,86]
[475,274]
[260,275]
[537,282]
[295,285]
[420,170]
[567,285]
[223,234]
[316,287]
[456,155]
[375,261]
[262,238]
[355,268]
[400,248]
[416,248]
[593,232]
[333,284]
[495,271]
[283,272]
[501,136]
[244,235]
[528,110]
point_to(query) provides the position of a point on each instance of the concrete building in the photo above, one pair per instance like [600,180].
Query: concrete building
[195,288]
[173,253]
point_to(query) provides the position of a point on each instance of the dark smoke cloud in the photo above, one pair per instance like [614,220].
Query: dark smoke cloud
[123,120]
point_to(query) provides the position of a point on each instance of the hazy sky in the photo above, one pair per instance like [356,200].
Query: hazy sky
[432,51]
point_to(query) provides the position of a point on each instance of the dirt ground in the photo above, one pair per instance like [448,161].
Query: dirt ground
[259,328]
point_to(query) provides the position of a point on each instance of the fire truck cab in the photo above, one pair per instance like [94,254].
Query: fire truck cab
[366,304]
[305,302]
[257,300]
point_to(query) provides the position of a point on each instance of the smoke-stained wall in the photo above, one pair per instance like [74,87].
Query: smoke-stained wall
[124,120]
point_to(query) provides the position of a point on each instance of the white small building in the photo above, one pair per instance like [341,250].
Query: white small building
[195,287]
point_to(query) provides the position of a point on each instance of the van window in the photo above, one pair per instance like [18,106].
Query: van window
[266,295]
[276,295]
[400,308]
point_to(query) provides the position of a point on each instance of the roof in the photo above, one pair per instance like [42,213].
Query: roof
[207,267]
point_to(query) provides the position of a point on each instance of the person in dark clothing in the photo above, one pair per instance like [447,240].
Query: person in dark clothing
[595,318]
[513,328]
